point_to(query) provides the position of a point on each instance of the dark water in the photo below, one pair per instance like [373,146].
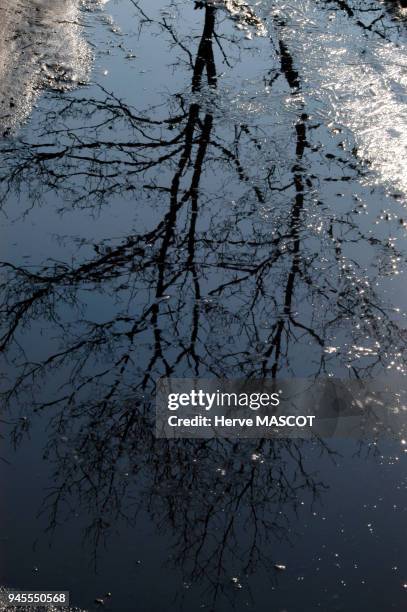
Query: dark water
[212,190]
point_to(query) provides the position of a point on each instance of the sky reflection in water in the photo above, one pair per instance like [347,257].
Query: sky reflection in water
[214,204]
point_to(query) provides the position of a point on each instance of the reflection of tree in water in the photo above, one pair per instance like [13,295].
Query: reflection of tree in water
[242,270]
[371,16]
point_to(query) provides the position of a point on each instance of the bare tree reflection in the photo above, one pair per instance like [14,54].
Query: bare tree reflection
[371,16]
[237,266]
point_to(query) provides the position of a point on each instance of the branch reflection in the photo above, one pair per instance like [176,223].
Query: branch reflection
[238,265]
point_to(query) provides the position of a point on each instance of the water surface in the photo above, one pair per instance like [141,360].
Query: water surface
[200,189]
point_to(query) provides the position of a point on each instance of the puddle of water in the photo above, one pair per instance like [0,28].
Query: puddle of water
[354,79]
[214,202]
